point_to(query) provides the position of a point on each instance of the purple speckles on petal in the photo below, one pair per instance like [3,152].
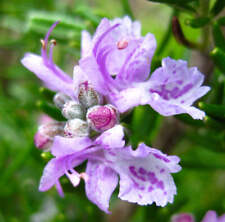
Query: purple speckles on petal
[150,188]
[136,174]
[162,170]
[158,156]
[142,171]
[160,185]
[152,178]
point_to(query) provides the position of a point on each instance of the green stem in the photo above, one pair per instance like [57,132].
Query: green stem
[127,8]
[166,36]
[204,12]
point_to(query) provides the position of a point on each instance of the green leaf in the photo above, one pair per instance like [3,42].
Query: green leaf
[215,124]
[50,110]
[218,36]
[143,125]
[221,21]
[185,118]
[46,93]
[179,4]
[86,13]
[213,109]
[209,140]
[218,55]
[126,8]
[173,1]
[217,7]
[202,166]
[198,22]
[40,22]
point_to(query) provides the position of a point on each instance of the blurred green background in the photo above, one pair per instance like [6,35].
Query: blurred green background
[201,183]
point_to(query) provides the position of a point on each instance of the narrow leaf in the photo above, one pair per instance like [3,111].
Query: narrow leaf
[46,93]
[218,36]
[217,7]
[40,22]
[198,22]
[50,110]
[218,55]
[189,120]
[215,124]
[213,109]
[86,13]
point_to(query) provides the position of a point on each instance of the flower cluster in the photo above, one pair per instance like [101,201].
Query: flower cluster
[111,78]
[210,216]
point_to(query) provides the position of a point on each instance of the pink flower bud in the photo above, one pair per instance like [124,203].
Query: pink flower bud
[60,99]
[183,217]
[73,110]
[101,118]
[87,96]
[76,127]
[45,134]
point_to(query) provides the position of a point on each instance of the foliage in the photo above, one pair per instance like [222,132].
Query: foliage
[200,144]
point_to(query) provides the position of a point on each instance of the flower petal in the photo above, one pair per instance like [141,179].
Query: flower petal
[79,77]
[222,218]
[144,175]
[54,78]
[100,184]
[112,138]
[91,69]
[174,88]
[130,97]
[138,64]
[86,44]
[127,27]
[64,146]
[210,217]
[183,217]
[59,189]
[56,168]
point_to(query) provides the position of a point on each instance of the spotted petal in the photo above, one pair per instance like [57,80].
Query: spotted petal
[174,88]
[100,184]
[145,175]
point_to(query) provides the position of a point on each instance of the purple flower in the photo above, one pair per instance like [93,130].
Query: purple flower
[144,173]
[116,61]
[210,216]
[45,69]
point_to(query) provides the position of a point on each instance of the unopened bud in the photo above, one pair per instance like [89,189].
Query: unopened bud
[101,118]
[73,110]
[87,96]
[183,217]
[60,99]
[44,137]
[76,127]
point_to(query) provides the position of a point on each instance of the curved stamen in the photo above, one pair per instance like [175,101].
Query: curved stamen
[49,61]
[45,43]
[52,45]
[101,60]
[102,37]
